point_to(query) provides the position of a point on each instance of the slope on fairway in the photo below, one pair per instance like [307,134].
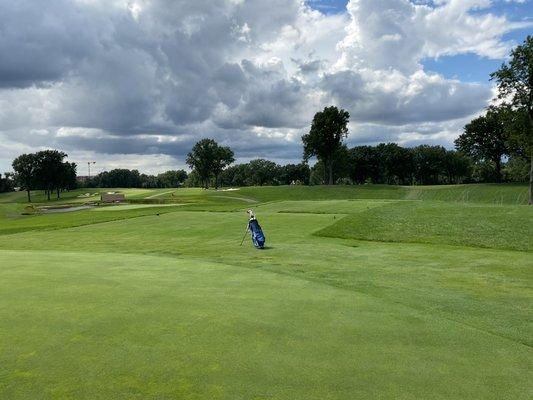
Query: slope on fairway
[100,326]
[480,225]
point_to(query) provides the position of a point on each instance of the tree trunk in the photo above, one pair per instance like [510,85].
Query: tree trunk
[48,194]
[530,201]
[530,142]
[498,163]
[330,172]
[29,196]
[57,191]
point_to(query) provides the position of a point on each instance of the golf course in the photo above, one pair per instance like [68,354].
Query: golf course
[362,292]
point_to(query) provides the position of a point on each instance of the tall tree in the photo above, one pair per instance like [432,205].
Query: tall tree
[25,167]
[485,138]
[223,156]
[50,170]
[515,87]
[328,129]
[207,158]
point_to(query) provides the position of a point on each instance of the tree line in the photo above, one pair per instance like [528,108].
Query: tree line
[385,163]
[125,178]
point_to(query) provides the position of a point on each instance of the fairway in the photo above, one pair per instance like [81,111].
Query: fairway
[361,293]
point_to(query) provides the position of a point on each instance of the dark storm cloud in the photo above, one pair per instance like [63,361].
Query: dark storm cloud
[43,42]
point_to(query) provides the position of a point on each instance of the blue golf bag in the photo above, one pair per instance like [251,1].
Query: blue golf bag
[258,238]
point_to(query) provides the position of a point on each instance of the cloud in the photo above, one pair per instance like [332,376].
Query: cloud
[150,77]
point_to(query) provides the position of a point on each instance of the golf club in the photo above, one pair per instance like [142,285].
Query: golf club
[245,232]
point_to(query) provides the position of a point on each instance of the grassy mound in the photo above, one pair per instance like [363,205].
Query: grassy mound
[505,227]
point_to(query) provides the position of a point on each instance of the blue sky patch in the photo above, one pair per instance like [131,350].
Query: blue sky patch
[465,67]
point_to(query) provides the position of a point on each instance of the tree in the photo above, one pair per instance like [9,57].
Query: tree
[428,163]
[148,181]
[395,163]
[294,173]
[172,179]
[68,176]
[208,158]
[516,170]
[119,177]
[328,129]
[50,170]
[515,87]
[25,167]
[263,172]
[485,138]
[223,157]
[236,175]
[364,164]
[457,167]
[6,183]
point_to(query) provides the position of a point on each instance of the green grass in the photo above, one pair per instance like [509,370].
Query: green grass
[126,304]
[505,227]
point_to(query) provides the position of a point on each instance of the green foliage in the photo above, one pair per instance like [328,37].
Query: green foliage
[366,164]
[119,177]
[6,183]
[44,170]
[294,174]
[429,163]
[25,167]
[172,179]
[517,170]
[328,129]
[263,172]
[207,158]
[485,139]
[515,89]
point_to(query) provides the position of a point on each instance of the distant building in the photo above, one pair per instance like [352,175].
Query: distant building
[112,197]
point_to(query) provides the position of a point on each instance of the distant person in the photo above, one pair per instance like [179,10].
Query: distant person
[258,238]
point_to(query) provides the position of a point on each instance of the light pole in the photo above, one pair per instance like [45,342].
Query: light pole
[89,166]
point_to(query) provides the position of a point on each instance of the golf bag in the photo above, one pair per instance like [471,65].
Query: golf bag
[258,238]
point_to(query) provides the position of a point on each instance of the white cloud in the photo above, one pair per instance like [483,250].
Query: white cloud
[150,77]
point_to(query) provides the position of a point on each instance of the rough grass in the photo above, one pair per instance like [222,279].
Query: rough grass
[505,227]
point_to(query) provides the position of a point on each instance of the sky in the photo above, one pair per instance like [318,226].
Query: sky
[135,83]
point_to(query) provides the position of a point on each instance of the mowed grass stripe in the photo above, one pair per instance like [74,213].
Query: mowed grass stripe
[130,326]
